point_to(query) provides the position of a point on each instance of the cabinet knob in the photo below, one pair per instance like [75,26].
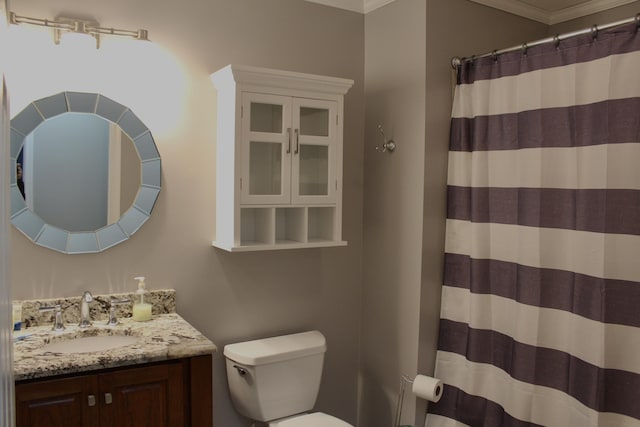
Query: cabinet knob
[91,400]
[108,398]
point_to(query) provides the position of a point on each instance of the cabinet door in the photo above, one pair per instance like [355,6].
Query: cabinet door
[68,402]
[314,151]
[151,396]
[266,149]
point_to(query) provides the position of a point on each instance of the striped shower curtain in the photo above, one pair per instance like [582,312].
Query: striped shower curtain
[540,321]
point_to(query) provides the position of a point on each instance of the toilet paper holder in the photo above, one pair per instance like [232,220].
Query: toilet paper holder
[404,380]
[408,379]
[422,386]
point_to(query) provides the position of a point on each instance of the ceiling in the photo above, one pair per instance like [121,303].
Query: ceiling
[546,11]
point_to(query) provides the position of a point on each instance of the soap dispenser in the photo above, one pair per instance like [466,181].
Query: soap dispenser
[141,302]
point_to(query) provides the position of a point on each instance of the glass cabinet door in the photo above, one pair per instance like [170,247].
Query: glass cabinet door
[313,162]
[266,142]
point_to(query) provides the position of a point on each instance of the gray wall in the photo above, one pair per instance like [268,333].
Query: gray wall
[229,297]
[395,59]
[409,44]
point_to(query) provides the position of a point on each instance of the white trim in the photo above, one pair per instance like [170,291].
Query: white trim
[584,9]
[371,5]
[519,8]
[361,6]
[114,179]
[7,399]
[525,10]
[353,5]
[259,76]
[516,7]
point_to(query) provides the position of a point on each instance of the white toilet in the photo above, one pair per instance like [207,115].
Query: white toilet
[276,380]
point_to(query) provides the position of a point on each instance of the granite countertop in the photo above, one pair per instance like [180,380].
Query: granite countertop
[166,336]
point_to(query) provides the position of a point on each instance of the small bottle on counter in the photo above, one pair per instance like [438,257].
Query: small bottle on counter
[17,316]
[141,302]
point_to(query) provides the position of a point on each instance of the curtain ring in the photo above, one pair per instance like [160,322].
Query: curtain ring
[494,56]
[524,48]
[637,20]
[556,41]
[594,32]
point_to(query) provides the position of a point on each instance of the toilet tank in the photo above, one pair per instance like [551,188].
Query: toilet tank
[275,377]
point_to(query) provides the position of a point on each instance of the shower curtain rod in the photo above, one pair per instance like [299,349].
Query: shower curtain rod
[456,61]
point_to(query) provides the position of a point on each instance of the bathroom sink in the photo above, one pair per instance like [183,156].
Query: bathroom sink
[90,344]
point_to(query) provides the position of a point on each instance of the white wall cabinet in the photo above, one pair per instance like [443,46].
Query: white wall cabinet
[278,159]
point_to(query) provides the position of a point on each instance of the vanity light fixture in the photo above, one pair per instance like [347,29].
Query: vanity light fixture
[62,25]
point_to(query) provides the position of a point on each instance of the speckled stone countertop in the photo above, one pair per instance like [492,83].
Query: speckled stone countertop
[163,301]
[166,336]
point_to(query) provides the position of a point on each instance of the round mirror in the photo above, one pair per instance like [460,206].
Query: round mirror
[87,172]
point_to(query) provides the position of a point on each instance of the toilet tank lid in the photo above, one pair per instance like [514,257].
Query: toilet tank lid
[276,349]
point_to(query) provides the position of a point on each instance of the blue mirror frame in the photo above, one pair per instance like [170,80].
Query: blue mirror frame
[68,242]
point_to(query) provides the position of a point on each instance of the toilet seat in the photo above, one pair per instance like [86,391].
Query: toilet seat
[317,419]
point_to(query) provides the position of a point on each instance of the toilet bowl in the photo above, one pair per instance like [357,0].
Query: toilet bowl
[276,380]
[316,419]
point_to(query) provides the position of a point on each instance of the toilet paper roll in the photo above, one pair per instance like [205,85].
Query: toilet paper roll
[428,388]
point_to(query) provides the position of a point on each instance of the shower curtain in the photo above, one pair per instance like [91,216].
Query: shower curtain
[540,320]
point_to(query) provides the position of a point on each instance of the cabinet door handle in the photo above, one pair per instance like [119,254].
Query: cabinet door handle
[91,400]
[297,142]
[289,139]
[108,398]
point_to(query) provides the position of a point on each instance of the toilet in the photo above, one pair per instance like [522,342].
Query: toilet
[276,380]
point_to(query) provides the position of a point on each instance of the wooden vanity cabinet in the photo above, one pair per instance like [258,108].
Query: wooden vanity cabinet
[176,393]
[56,403]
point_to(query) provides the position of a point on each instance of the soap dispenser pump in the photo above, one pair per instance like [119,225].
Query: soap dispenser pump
[141,302]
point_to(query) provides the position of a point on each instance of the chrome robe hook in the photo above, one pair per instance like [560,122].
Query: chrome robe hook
[387,145]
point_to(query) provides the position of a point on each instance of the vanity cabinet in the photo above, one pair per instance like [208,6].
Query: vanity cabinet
[167,394]
[278,159]
[57,403]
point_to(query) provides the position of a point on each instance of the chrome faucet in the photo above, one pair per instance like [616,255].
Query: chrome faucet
[58,326]
[85,315]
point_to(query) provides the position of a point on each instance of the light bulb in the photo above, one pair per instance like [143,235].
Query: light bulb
[80,42]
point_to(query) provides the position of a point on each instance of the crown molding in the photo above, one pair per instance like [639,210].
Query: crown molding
[370,5]
[515,7]
[553,17]
[519,8]
[584,9]
[361,6]
[353,5]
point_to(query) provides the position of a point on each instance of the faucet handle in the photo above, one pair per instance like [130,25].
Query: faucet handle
[57,324]
[87,297]
[113,319]
[85,314]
